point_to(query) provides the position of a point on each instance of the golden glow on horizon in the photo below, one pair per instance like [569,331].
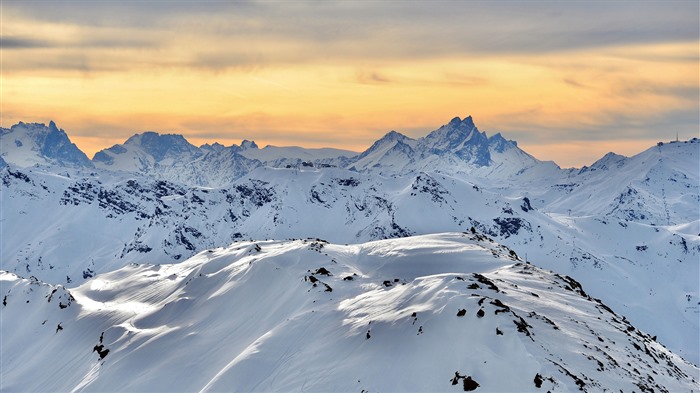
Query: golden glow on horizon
[350,103]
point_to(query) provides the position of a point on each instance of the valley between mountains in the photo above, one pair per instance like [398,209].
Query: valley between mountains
[452,262]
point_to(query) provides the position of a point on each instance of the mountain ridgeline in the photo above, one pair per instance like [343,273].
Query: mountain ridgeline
[626,228]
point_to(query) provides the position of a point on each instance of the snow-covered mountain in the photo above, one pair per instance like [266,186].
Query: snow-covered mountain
[170,157]
[457,147]
[660,186]
[627,228]
[447,312]
[28,144]
[146,220]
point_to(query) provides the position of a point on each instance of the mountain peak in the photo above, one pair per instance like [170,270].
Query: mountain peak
[394,136]
[246,144]
[161,145]
[500,144]
[455,122]
[35,143]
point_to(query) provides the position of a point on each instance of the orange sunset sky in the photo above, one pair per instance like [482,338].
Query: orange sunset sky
[568,80]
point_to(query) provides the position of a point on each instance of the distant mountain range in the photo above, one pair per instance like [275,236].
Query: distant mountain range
[627,228]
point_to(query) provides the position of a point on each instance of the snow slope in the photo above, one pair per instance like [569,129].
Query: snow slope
[447,312]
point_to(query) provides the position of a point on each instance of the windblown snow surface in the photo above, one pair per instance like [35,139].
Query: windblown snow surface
[444,312]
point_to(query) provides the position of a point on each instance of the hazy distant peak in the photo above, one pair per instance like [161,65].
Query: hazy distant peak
[214,146]
[161,145]
[608,161]
[246,144]
[394,136]
[500,144]
[35,143]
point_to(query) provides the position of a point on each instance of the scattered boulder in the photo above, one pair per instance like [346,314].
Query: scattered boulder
[538,380]
[469,384]
[461,312]
[323,271]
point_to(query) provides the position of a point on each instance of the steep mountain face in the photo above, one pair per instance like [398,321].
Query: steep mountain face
[28,144]
[447,312]
[458,137]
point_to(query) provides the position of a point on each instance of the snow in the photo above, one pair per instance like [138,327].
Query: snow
[627,228]
[272,153]
[248,318]
[29,144]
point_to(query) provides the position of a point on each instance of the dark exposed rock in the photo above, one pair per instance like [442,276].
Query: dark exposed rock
[538,380]
[324,271]
[482,279]
[101,350]
[469,384]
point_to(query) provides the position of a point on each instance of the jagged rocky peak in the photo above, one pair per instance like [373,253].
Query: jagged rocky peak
[35,143]
[216,146]
[460,137]
[455,134]
[246,144]
[500,144]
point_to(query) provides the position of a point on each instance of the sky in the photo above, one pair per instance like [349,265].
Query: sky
[569,80]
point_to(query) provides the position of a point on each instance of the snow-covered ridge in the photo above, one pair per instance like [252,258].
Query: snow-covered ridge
[448,312]
[626,227]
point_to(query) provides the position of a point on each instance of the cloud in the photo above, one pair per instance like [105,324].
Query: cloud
[601,126]
[576,84]
[12,42]
[371,77]
[265,33]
